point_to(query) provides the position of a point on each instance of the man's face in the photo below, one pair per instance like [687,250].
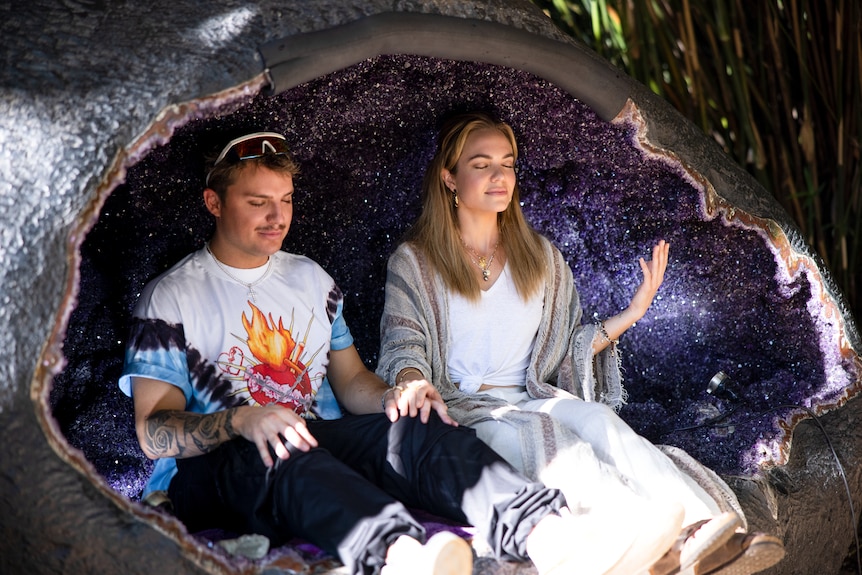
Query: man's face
[253,219]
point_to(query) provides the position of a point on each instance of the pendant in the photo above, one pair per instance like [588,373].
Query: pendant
[486,274]
[483,263]
[252,294]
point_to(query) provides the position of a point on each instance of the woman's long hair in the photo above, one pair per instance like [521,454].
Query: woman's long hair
[436,230]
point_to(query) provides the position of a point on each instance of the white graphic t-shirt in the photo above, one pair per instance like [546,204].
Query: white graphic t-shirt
[224,345]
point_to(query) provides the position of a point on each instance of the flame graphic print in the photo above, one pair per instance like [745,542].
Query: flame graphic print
[277,372]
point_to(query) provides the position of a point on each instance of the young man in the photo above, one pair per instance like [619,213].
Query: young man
[239,363]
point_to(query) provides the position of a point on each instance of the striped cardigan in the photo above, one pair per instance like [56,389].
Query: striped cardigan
[414,332]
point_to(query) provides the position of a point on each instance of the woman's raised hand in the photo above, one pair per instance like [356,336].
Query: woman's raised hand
[653,276]
[653,272]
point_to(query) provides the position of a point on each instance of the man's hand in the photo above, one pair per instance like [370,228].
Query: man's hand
[273,425]
[414,397]
[166,429]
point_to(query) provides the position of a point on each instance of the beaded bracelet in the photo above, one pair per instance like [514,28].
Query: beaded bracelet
[604,333]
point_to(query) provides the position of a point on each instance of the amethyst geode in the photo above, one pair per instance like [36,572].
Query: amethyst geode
[364,136]
[108,106]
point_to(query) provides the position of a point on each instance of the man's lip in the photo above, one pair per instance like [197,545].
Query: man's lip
[271,232]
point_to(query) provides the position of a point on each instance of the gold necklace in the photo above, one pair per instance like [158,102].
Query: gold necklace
[483,263]
[249,286]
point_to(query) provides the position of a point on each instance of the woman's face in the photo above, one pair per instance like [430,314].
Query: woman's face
[484,175]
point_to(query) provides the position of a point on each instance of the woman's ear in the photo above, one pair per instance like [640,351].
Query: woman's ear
[212,202]
[448,179]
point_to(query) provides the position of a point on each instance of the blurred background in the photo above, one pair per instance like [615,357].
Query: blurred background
[777,83]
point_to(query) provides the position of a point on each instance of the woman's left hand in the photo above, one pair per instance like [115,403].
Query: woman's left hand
[653,272]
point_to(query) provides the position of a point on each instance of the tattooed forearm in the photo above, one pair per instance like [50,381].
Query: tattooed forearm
[186,434]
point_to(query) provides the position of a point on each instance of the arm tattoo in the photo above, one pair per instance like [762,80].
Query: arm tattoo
[186,434]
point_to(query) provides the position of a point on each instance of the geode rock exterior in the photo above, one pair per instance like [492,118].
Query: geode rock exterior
[107,109]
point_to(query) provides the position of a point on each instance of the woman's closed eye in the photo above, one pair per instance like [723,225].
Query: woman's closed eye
[485,166]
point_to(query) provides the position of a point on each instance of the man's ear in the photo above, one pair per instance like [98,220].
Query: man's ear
[212,202]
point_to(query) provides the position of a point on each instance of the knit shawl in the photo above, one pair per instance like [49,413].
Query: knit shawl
[414,332]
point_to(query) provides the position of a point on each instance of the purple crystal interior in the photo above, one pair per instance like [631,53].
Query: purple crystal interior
[364,136]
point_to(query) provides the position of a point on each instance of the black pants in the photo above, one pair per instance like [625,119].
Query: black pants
[348,495]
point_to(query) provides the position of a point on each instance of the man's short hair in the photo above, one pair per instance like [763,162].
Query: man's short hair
[266,149]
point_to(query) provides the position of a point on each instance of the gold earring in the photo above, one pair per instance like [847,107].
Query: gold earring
[455,196]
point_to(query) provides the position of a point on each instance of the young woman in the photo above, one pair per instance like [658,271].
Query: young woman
[484,308]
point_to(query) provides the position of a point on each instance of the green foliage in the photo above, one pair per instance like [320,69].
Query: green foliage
[777,83]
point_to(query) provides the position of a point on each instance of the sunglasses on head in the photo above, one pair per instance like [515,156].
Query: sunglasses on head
[252,146]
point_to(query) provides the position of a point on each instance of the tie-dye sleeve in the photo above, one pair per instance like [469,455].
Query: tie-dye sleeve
[157,350]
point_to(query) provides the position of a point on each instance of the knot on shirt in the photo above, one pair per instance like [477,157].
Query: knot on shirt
[470,384]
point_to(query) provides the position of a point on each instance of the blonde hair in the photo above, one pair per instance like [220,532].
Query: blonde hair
[436,231]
